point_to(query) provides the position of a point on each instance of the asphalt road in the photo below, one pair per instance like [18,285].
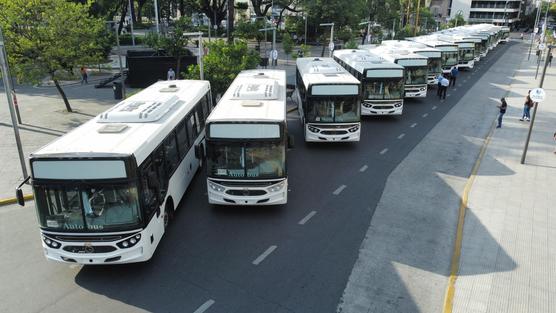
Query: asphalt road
[292,258]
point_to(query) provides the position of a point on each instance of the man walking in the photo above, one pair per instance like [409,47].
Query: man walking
[444,83]
[503,105]
[453,75]
[171,74]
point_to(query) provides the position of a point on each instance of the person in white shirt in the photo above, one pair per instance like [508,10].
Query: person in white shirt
[444,83]
[171,74]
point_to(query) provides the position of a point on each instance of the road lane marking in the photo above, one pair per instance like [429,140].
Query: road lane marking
[264,255]
[426,114]
[363,168]
[205,306]
[434,107]
[384,151]
[455,89]
[339,190]
[459,85]
[447,95]
[401,136]
[413,125]
[307,218]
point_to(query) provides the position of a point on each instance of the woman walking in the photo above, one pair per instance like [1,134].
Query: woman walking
[503,105]
[527,108]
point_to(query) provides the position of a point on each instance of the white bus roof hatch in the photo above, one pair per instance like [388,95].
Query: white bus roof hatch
[141,111]
[259,89]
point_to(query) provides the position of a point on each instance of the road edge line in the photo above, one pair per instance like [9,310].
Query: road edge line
[7,201]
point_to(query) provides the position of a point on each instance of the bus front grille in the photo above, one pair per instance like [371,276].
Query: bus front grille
[89,249]
[246,192]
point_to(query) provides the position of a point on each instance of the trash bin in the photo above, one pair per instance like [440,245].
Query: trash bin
[118,90]
[264,62]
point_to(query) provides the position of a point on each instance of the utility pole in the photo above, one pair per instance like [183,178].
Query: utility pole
[539,7]
[119,57]
[305,38]
[417,17]
[156,16]
[524,155]
[131,22]
[273,43]
[7,90]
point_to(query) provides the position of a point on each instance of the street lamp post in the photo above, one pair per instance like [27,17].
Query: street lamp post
[119,57]
[131,22]
[273,40]
[305,37]
[505,19]
[524,155]
[539,7]
[331,44]
[7,89]
[156,16]
[200,54]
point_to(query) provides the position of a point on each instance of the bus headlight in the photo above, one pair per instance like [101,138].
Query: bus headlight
[353,129]
[397,105]
[51,243]
[129,242]
[313,129]
[276,187]
[216,187]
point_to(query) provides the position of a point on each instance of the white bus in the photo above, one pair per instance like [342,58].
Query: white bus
[466,49]
[448,51]
[415,68]
[434,56]
[382,81]
[505,37]
[105,192]
[247,139]
[328,101]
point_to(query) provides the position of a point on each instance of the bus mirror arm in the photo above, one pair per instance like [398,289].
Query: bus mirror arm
[19,193]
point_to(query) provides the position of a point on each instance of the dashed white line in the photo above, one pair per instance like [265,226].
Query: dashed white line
[307,218]
[434,107]
[455,89]
[339,190]
[413,125]
[264,255]
[384,151]
[363,168]
[401,136]
[205,306]
[459,85]
[426,114]
[447,95]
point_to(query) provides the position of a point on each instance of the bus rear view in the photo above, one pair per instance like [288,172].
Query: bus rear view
[247,142]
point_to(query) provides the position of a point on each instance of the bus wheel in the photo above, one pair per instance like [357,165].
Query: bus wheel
[168,212]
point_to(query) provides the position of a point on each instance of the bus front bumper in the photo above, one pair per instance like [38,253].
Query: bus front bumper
[120,256]
[391,108]
[416,93]
[242,195]
[332,133]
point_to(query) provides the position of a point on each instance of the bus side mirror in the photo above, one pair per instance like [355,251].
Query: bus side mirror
[19,196]
[199,151]
[291,143]
[19,193]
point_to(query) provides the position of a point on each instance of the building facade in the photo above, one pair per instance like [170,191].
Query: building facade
[500,12]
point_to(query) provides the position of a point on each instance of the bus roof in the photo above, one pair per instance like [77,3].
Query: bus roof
[414,47]
[323,71]
[433,42]
[362,60]
[134,126]
[392,54]
[254,95]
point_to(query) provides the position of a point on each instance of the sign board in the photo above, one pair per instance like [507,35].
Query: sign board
[542,46]
[537,95]
[331,46]
[536,30]
[274,54]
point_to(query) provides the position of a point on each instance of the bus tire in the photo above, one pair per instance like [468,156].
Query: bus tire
[168,212]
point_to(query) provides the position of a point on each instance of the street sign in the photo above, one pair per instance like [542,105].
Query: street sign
[542,46]
[537,95]
[274,54]
[536,30]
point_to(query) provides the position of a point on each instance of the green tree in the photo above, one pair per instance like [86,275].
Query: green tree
[223,62]
[50,38]
[458,20]
[287,44]
[247,30]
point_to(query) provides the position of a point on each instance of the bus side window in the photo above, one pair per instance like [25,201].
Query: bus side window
[191,129]
[171,154]
[197,122]
[160,168]
[149,181]
[200,115]
[183,144]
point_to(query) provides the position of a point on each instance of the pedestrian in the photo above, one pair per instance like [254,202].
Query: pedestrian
[503,106]
[444,83]
[171,74]
[84,75]
[550,59]
[439,85]
[527,108]
[555,140]
[453,75]
[521,36]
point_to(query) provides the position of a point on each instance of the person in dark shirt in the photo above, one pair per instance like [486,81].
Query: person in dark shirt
[503,106]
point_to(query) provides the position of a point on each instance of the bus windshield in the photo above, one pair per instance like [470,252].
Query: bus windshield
[466,54]
[339,109]
[415,75]
[435,66]
[449,59]
[384,89]
[98,207]
[251,160]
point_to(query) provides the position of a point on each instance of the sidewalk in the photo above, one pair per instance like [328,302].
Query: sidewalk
[515,205]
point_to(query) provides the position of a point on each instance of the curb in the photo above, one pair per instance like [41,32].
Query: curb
[7,201]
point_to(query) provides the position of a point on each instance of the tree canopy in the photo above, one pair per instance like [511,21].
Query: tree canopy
[51,38]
